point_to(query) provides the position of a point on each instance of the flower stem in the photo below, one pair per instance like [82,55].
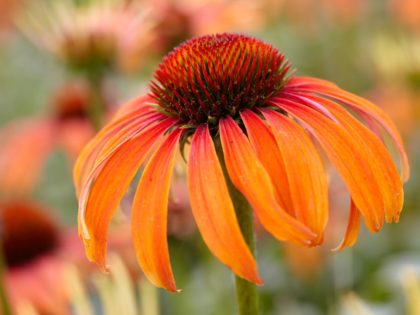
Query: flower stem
[246,292]
[97,104]
[4,301]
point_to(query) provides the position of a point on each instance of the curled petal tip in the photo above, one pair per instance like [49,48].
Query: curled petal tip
[105,269]
[255,278]
[319,240]
[171,288]
[259,282]
[339,248]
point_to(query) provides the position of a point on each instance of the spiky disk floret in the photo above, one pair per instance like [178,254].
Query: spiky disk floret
[213,76]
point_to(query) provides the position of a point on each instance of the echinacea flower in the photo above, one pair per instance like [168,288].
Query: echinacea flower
[26,144]
[235,99]
[94,35]
[37,253]
[33,250]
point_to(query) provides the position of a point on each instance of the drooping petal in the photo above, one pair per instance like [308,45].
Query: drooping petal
[305,171]
[379,159]
[120,132]
[213,209]
[349,157]
[265,146]
[108,140]
[150,213]
[352,230]
[104,189]
[308,82]
[129,131]
[133,106]
[362,107]
[251,179]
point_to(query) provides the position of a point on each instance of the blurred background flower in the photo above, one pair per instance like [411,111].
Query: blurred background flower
[33,249]
[93,36]
[27,143]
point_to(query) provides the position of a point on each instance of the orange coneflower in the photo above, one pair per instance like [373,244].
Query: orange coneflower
[235,99]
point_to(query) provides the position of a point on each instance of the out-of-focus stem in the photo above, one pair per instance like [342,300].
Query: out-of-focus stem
[149,299]
[97,104]
[4,301]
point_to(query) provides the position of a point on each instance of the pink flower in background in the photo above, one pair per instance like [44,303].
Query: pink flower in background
[33,249]
[407,13]
[178,20]
[26,144]
[96,35]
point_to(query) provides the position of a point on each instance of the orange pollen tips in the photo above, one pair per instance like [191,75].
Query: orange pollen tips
[213,76]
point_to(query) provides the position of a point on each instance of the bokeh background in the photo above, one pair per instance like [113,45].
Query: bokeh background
[56,60]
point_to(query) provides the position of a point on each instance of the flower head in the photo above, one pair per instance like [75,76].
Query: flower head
[218,76]
[235,100]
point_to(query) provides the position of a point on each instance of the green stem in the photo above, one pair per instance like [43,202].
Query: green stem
[97,104]
[4,301]
[246,292]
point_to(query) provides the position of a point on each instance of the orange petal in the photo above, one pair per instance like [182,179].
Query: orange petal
[104,189]
[124,120]
[213,210]
[362,107]
[352,231]
[150,214]
[130,130]
[251,179]
[265,146]
[308,82]
[348,154]
[379,159]
[132,107]
[305,172]
[119,131]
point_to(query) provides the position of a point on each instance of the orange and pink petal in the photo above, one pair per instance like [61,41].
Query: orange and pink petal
[150,214]
[305,172]
[213,209]
[349,157]
[104,189]
[251,179]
